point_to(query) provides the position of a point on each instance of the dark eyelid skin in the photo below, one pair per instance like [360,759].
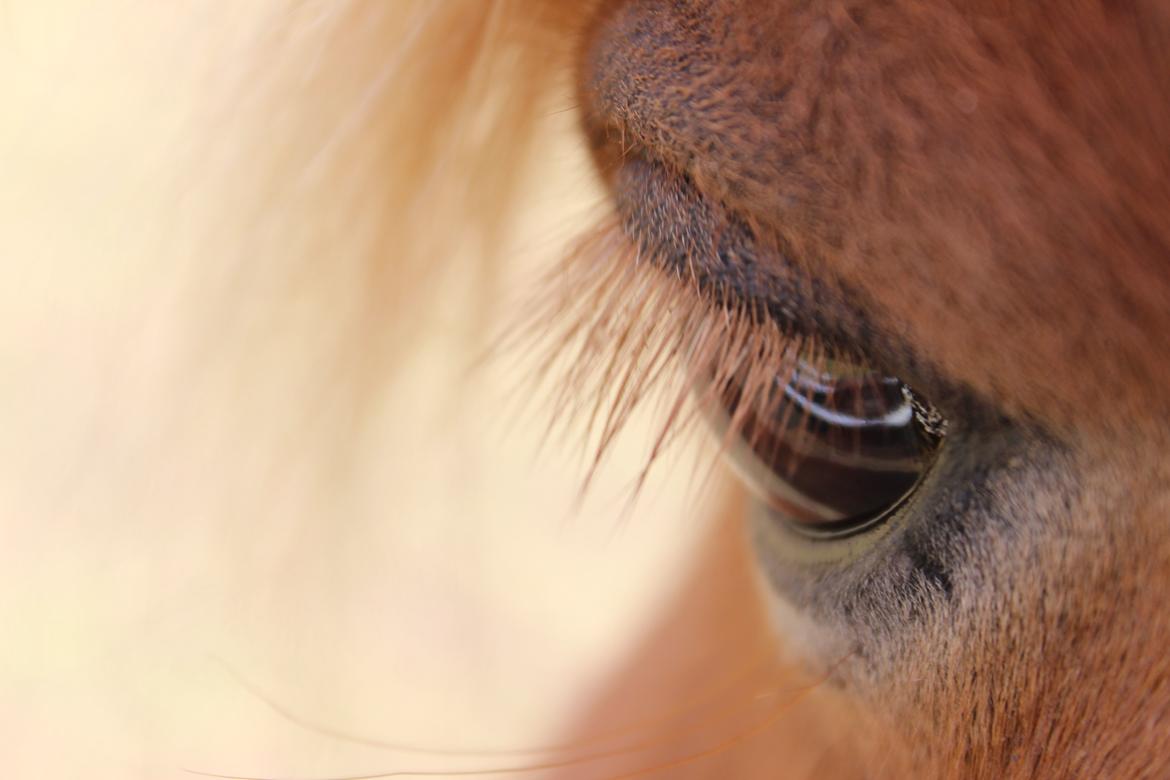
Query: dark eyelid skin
[684,233]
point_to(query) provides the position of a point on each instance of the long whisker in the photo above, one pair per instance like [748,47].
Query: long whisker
[779,710]
[754,664]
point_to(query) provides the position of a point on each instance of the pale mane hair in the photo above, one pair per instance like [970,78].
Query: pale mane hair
[385,139]
[358,156]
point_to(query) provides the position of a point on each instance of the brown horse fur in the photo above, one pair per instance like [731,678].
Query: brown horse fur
[984,189]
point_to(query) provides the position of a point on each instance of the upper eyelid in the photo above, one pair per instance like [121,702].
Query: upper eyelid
[684,231]
[724,256]
[702,240]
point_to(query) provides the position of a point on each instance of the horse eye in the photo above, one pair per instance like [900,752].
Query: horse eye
[834,449]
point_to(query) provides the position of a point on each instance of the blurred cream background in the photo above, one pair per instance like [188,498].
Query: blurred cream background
[178,542]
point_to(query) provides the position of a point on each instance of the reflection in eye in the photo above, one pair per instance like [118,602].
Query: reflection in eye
[837,446]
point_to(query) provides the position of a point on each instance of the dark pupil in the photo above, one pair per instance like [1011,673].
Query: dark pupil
[839,447]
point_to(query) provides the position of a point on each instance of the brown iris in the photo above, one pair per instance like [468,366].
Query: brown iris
[835,447]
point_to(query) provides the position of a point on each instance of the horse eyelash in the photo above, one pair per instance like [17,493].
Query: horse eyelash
[612,333]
